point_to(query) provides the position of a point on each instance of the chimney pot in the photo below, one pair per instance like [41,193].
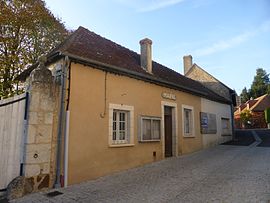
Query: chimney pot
[146,54]
[187,63]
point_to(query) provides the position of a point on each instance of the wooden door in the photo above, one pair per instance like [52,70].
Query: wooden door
[168,131]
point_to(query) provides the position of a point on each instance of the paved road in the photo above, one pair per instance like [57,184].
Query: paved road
[220,174]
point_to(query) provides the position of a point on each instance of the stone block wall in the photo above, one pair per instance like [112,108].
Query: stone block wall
[41,139]
[209,81]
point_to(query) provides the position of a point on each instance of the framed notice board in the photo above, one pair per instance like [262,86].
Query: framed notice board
[208,123]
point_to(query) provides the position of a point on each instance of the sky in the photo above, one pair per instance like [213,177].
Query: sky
[229,39]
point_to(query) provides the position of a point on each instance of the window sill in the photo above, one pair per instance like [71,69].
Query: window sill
[189,136]
[145,141]
[226,135]
[121,145]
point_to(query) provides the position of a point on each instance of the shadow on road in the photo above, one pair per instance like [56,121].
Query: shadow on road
[242,138]
[265,137]
[246,138]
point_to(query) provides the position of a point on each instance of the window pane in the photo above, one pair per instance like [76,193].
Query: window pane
[114,126]
[114,135]
[114,116]
[146,129]
[156,130]
[122,135]
[187,121]
[120,126]
[122,116]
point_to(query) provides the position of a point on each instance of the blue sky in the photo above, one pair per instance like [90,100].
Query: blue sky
[227,38]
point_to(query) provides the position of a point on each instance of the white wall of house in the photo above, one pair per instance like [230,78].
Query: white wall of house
[223,113]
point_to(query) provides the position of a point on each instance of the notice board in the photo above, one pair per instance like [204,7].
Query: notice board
[208,123]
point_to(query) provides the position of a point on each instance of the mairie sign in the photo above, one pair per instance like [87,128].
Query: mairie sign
[167,95]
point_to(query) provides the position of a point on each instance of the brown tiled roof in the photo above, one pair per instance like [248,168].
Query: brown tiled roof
[256,105]
[263,103]
[85,45]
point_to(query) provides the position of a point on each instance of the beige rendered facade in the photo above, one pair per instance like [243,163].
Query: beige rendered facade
[119,109]
[223,123]
[90,153]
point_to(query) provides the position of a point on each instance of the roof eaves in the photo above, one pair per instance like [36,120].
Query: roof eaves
[140,76]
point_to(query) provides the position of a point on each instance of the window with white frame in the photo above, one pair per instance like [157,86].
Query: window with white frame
[120,124]
[188,121]
[150,129]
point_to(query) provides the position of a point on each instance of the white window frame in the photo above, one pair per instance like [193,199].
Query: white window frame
[151,118]
[192,133]
[129,136]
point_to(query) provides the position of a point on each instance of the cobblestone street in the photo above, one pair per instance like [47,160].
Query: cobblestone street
[220,174]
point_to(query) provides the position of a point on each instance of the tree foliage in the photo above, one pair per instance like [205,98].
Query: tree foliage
[245,95]
[245,117]
[27,30]
[259,86]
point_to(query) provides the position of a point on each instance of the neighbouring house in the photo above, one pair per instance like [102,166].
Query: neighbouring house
[219,116]
[256,108]
[120,109]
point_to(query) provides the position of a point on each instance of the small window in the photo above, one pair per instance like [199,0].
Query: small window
[150,129]
[188,121]
[121,118]
[187,126]
[225,124]
[120,126]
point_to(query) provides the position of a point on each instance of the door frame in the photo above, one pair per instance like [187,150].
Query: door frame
[174,127]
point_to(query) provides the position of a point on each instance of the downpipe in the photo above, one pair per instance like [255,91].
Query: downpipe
[61,123]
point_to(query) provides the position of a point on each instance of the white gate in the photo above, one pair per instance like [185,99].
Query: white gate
[12,119]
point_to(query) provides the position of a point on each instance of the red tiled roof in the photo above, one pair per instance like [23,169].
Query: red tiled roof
[251,102]
[262,104]
[84,44]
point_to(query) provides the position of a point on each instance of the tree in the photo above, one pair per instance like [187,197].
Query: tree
[244,95]
[245,117]
[260,84]
[27,30]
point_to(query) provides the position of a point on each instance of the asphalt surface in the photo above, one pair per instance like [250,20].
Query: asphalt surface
[265,137]
[224,173]
[242,138]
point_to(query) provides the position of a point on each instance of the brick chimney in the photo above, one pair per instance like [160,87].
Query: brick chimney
[146,54]
[187,63]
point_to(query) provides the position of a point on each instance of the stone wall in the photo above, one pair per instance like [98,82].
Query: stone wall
[209,81]
[40,146]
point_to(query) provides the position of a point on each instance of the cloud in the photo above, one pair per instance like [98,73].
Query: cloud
[149,5]
[158,4]
[232,42]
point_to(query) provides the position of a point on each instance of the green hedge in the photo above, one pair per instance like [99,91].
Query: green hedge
[267,115]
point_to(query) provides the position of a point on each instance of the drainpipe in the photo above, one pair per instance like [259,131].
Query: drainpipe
[61,122]
[66,150]
[232,122]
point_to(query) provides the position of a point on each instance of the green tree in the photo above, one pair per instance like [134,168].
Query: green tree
[260,84]
[245,117]
[245,96]
[27,30]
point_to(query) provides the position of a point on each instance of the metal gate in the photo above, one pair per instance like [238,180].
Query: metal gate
[12,127]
